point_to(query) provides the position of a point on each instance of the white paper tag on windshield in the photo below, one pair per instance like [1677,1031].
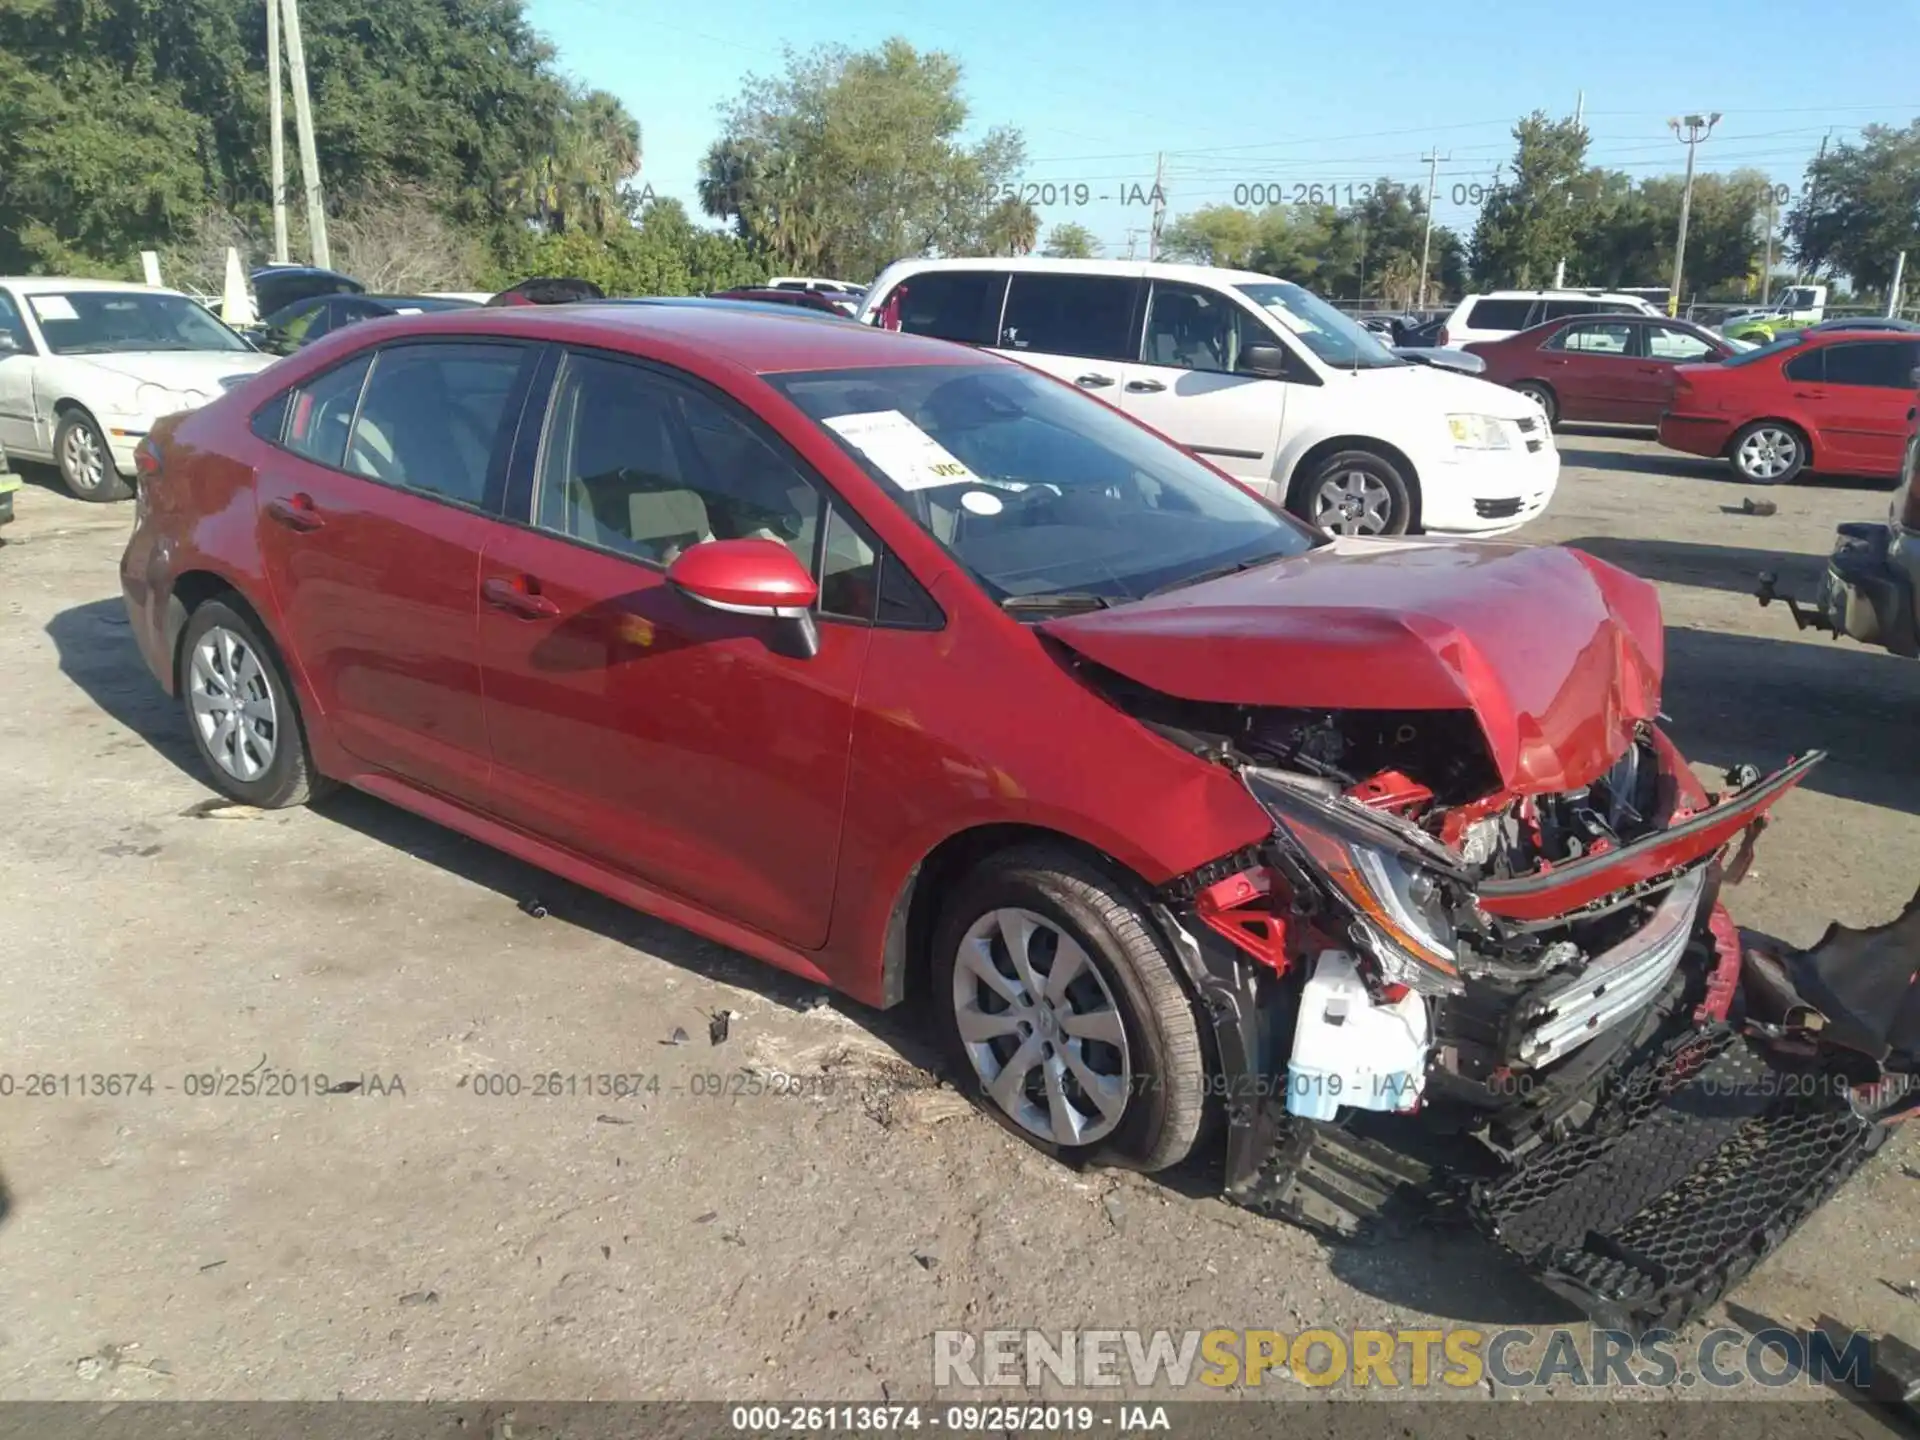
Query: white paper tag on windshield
[53,307]
[904,453]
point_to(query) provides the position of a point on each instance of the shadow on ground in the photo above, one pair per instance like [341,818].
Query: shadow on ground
[97,652]
[1712,567]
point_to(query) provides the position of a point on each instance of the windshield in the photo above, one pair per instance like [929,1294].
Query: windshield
[1785,342]
[1335,338]
[1035,488]
[105,322]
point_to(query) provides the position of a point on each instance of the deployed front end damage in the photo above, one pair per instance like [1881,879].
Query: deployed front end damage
[1533,1005]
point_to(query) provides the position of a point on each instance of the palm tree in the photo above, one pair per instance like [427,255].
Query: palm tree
[727,176]
[1011,228]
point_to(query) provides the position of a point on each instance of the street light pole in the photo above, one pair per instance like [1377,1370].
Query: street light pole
[1434,160]
[1696,128]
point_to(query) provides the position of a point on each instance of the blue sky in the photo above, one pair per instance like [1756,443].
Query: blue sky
[1239,96]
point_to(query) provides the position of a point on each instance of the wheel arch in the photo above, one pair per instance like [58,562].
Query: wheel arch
[1372,444]
[916,905]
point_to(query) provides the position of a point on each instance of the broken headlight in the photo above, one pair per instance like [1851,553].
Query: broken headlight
[1390,882]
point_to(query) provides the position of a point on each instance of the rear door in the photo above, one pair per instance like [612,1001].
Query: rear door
[1185,383]
[379,492]
[660,738]
[19,433]
[959,305]
[1591,368]
[1868,391]
[1085,329]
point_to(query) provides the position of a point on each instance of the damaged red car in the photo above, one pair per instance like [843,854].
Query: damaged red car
[1362,868]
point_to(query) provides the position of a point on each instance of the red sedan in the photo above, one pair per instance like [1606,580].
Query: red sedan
[907,669]
[1836,400]
[1612,368]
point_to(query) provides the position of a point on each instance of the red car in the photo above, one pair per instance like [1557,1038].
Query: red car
[910,670]
[1833,400]
[801,299]
[1612,368]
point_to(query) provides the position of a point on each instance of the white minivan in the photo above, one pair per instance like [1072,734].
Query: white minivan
[1258,375]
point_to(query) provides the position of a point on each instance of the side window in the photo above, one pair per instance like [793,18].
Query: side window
[270,420]
[849,571]
[1194,329]
[962,305]
[1666,343]
[322,412]
[1090,316]
[1807,365]
[13,329]
[1560,309]
[1598,338]
[1498,315]
[635,462]
[432,417]
[1884,364]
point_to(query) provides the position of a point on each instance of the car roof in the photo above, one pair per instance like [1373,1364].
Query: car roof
[745,335]
[1127,269]
[1556,295]
[54,284]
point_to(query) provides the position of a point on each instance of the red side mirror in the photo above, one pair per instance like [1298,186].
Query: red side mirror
[753,577]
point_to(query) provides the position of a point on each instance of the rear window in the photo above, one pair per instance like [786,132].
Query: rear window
[962,305]
[1090,316]
[1766,352]
[1499,314]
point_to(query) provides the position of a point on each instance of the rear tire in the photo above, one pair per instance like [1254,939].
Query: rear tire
[85,462]
[1543,396]
[241,711]
[1768,452]
[1354,492]
[1108,1064]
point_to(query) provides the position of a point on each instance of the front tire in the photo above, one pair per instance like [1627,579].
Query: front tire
[1355,492]
[241,711]
[1768,452]
[86,464]
[1062,1011]
[1542,396]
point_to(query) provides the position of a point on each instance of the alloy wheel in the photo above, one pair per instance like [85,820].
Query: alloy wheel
[1768,453]
[1041,1028]
[1352,502]
[233,706]
[81,459]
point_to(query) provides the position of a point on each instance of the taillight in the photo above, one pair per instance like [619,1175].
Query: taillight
[1443,338]
[146,459]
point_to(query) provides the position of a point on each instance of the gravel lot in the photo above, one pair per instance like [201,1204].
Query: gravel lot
[449,1242]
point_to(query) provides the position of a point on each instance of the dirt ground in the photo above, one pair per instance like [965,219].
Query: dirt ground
[452,1242]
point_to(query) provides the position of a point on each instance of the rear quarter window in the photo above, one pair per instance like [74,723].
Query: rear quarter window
[1498,315]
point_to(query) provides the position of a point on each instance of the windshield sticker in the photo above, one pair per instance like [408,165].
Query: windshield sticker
[982,502]
[901,450]
[53,307]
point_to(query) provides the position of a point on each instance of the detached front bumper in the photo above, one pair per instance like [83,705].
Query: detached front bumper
[1868,593]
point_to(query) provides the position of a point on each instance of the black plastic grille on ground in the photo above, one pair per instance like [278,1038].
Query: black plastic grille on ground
[1700,1165]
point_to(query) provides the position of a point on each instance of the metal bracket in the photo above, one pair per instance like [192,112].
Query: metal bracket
[1811,619]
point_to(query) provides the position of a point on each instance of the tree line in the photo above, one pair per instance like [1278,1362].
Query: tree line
[457,154]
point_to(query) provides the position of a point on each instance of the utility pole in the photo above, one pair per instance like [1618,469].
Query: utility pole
[303,121]
[1159,205]
[1433,159]
[1893,290]
[1766,271]
[277,121]
[1812,188]
[1579,113]
[1697,128]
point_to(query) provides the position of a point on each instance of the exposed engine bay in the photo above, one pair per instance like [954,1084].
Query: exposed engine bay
[1430,977]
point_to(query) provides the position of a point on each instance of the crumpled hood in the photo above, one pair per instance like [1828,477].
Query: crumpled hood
[1557,653]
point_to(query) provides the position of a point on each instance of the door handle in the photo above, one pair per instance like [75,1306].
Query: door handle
[1093,382]
[1145,387]
[1809,394]
[296,512]
[517,599]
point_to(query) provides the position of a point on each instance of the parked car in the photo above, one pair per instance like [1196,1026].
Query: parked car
[1795,308]
[277,286]
[774,627]
[549,290]
[1865,322]
[9,483]
[305,321]
[1500,313]
[840,289]
[1872,588]
[1441,359]
[1425,335]
[1260,376]
[1613,368]
[1835,401]
[816,300]
[87,366]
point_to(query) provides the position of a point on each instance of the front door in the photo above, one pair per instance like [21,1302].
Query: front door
[374,506]
[1650,387]
[1868,391]
[629,724]
[1185,383]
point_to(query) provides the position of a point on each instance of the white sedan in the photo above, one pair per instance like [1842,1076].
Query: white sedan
[87,366]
